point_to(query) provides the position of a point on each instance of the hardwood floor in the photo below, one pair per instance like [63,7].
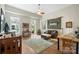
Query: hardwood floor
[51,50]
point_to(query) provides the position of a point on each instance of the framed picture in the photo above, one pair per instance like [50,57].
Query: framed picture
[54,23]
[68,24]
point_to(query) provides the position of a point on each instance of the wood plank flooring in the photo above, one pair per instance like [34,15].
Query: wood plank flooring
[51,50]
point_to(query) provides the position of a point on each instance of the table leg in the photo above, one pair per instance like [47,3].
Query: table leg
[0,48]
[58,44]
[77,48]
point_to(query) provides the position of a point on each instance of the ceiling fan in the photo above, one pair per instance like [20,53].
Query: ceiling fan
[39,11]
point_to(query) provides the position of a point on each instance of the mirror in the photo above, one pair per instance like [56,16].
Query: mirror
[2,20]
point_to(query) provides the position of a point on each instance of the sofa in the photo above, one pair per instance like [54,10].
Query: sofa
[54,33]
[50,34]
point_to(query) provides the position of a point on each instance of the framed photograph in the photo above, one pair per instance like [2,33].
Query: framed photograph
[68,24]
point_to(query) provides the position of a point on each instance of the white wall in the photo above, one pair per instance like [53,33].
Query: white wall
[25,16]
[70,13]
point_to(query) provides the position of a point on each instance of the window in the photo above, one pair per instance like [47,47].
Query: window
[15,24]
[33,26]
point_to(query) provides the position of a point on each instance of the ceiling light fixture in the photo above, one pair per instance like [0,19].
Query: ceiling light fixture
[39,12]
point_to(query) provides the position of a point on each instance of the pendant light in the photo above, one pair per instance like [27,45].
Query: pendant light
[39,11]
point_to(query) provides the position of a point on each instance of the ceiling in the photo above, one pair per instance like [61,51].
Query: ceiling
[47,8]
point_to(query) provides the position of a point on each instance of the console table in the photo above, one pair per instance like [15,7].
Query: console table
[73,39]
[11,45]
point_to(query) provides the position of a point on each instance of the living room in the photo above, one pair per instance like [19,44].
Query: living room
[40,34]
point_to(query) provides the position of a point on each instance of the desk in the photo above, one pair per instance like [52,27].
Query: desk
[73,39]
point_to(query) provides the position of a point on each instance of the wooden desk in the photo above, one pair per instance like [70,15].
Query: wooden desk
[73,39]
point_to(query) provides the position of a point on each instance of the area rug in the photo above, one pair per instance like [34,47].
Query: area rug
[38,45]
